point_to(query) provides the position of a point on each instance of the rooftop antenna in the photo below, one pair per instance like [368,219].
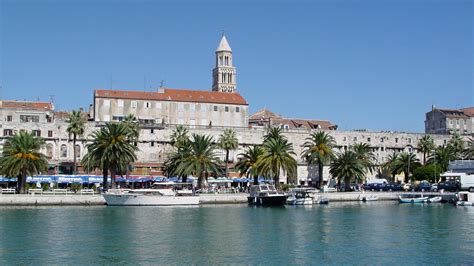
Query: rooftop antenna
[111,82]
[162,83]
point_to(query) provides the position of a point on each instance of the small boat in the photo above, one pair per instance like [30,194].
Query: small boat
[321,200]
[266,195]
[465,199]
[301,196]
[368,198]
[412,200]
[164,194]
[436,199]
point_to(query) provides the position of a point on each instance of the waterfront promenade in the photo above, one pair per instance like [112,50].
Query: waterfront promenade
[230,198]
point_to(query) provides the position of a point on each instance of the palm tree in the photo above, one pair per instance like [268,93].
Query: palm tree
[228,141]
[179,137]
[406,163]
[390,164]
[21,157]
[346,166]
[318,150]
[201,160]
[111,150]
[457,145]
[277,156]
[426,146]
[132,127]
[247,164]
[76,126]
[442,156]
[274,133]
[366,156]
[469,151]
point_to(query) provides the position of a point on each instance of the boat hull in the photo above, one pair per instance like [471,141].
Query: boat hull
[279,200]
[465,203]
[149,200]
[413,200]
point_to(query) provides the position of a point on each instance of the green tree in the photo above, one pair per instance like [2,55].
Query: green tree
[318,149]
[277,156]
[457,146]
[247,164]
[76,126]
[429,172]
[111,149]
[366,156]
[469,151]
[406,163]
[180,136]
[21,157]
[442,156]
[202,160]
[181,149]
[346,166]
[132,127]
[426,146]
[228,141]
[274,133]
[389,166]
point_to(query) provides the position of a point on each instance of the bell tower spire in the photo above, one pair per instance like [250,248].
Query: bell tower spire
[224,74]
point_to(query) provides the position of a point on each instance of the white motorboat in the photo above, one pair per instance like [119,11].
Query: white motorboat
[368,198]
[465,199]
[321,200]
[436,199]
[166,196]
[420,199]
[266,195]
[301,196]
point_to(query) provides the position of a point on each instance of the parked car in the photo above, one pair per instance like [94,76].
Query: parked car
[423,186]
[393,187]
[407,187]
[450,185]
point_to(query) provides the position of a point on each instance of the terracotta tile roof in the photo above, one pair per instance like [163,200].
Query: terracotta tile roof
[468,111]
[453,113]
[263,114]
[304,123]
[26,105]
[176,95]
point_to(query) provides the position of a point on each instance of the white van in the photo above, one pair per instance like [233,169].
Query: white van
[377,181]
[467,181]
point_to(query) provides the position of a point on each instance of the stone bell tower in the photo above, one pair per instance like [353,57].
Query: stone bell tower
[224,76]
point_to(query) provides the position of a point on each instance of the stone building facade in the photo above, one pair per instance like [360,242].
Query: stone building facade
[450,121]
[267,119]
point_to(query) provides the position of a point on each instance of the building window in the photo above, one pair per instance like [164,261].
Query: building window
[344,139]
[147,105]
[49,150]
[192,107]
[227,108]
[237,109]
[8,132]
[9,118]
[354,139]
[133,104]
[215,108]
[368,139]
[409,140]
[120,103]
[29,118]
[152,144]
[396,140]
[382,148]
[152,131]
[117,118]
[50,133]
[180,107]
[78,151]
[381,139]
[63,151]
[135,144]
[106,102]
[36,133]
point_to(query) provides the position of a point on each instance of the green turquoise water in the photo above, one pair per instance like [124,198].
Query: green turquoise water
[346,233]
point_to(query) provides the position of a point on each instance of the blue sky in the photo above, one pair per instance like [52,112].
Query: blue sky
[361,64]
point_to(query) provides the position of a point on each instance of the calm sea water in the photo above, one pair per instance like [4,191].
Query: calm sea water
[349,233]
